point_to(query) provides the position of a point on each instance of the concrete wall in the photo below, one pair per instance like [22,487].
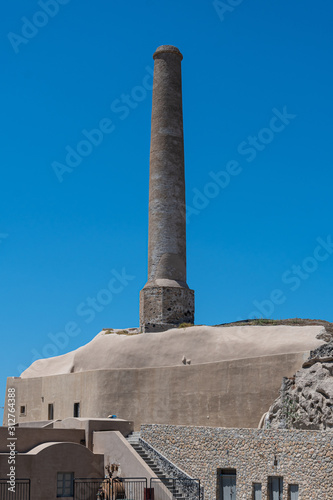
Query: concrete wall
[233,393]
[92,425]
[300,457]
[117,450]
[44,462]
[29,438]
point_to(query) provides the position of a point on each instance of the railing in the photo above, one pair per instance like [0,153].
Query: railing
[21,490]
[169,469]
[88,489]
[176,488]
[133,488]
[116,489]
[110,489]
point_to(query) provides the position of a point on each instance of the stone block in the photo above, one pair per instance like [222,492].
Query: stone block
[163,307]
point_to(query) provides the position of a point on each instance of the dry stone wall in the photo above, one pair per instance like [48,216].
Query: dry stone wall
[300,457]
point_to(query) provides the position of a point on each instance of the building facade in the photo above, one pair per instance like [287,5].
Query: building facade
[250,464]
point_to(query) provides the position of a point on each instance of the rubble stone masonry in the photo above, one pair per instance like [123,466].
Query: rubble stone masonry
[304,458]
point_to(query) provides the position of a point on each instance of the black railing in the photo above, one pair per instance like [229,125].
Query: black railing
[107,489]
[131,488]
[176,488]
[19,491]
[92,489]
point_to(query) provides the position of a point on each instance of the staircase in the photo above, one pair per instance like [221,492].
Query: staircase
[133,440]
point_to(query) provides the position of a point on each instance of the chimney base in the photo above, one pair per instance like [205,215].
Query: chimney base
[162,308]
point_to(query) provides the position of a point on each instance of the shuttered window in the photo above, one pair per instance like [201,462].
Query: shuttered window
[275,488]
[256,491]
[293,491]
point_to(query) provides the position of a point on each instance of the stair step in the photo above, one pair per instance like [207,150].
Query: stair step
[133,440]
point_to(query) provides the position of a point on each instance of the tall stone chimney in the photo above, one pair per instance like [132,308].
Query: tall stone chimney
[166,300]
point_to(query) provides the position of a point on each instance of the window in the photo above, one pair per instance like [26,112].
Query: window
[65,484]
[23,411]
[275,488]
[50,411]
[293,492]
[226,484]
[256,491]
[76,409]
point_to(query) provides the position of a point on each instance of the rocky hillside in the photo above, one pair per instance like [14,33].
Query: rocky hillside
[306,400]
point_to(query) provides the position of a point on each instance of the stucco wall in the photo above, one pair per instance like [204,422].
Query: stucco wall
[26,438]
[92,425]
[302,457]
[44,462]
[233,393]
[117,450]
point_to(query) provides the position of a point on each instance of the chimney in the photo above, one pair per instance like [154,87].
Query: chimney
[166,300]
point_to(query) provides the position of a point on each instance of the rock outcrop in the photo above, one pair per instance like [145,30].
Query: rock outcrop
[306,400]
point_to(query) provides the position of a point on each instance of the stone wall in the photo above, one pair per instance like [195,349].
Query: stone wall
[300,457]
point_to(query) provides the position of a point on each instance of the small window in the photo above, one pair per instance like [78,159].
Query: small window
[50,411]
[65,484]
[275,488]
[293,492]
[23,411]
[256,491]
[76,409]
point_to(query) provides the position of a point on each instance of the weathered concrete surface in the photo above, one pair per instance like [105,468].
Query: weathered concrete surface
[306,399]
[167,210]
[227,393]
[201,344]
[142,377]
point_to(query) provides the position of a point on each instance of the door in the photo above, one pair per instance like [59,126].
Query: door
[228,484]
[275,488]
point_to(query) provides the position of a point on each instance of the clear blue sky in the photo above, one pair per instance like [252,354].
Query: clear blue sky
[257,89]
